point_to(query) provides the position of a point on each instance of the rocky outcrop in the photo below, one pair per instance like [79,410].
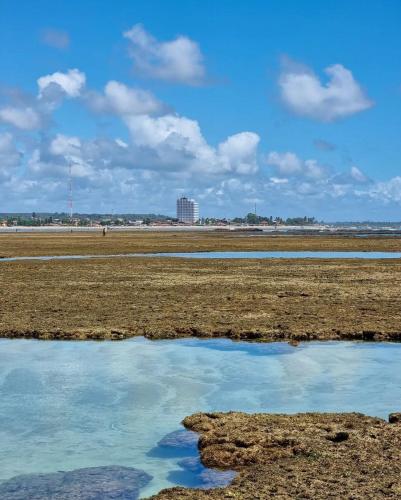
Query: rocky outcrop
[308,456]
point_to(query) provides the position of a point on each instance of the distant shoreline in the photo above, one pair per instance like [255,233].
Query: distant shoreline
[58,229]
[282,229]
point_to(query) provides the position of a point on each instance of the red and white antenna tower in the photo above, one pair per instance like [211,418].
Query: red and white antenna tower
[70,202]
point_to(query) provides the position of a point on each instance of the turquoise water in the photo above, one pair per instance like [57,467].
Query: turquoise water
[69,405]
[222,255]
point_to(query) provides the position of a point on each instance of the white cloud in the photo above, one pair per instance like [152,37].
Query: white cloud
[122,100]
[151,174]
[54,161]
[288,164]
[306,95]
[10,157]
[239,152]
[25,118]
[121,143]
[314,170]
[278,180]
[34,113]
[176,131]
[177,142]
[285,163]
[171,142]
[352,177]
[179,60]
[71,82]
[65,145]
[387,191]
[357,175]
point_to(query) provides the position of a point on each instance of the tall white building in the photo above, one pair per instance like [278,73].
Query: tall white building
[187,210]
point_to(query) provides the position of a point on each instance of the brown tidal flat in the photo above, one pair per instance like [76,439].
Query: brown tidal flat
[21,244]
[314,456]
[167,298]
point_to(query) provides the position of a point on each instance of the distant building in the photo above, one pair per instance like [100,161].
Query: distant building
[187,210]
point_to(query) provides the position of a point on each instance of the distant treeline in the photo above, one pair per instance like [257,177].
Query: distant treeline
[61,215]
[254,219]
[45,218]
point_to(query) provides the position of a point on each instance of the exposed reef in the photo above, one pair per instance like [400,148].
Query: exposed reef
[22,244]
[310,455]
[242,300]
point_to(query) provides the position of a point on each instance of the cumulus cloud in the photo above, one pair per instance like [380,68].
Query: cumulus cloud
[71,83]
[52,160]
[10,157]
[170,144]
[285,163]
[170,141]
[59,39]
[304,93]
[176,131]
[313,169]
[239,152]
[65,145]
[387,191]
[354,176]
[177,142]
[179,60]
[32,113]
[289,164]
[153,171]
[24,118]
[92,154]
[123,100]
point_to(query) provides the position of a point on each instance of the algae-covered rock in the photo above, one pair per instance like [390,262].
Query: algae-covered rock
[306,455]
[179,439]
[92,483]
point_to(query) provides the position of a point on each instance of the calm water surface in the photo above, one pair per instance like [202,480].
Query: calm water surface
[223,255]
[284,255]
[67,405]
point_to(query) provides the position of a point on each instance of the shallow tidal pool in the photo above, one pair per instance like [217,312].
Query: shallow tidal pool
[71,405]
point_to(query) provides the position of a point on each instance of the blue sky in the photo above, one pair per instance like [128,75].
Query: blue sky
[294,106]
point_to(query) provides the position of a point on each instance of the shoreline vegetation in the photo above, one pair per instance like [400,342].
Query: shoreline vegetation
[283,456]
